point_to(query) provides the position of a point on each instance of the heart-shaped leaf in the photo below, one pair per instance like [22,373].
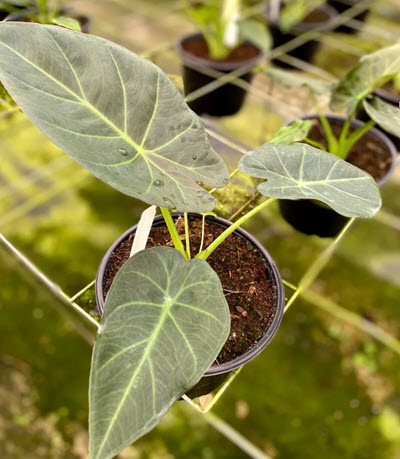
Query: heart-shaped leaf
[372,72]
[165,321]
[290,79]
[295,132]
[300,171]
[115,113]
[384,114]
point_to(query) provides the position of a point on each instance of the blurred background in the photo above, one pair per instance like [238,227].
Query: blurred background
[322,388]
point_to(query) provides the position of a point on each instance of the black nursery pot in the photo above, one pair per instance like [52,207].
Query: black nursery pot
[341,6]
[225,100]
[215,375]
[306,51]
[309,217]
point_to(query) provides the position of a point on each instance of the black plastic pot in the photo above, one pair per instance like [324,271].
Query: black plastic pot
[341,6]
[310,217]
[306,51]
[390,99]
[215,375]
[223,101]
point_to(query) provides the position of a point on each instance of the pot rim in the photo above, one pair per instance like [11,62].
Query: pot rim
[273,272]
[216,65]
[387,96]
[307,26]
[374,131]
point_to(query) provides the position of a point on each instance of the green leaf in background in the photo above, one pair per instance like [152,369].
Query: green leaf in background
[292,13]
[373,71]
[387,116]
[300,171]
[67,22]
[290,79]
[296,132]
[257,33]
[115,113]
[165,321]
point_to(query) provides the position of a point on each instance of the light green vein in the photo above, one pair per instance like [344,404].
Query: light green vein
[123,89]
[152,340]
[68,62]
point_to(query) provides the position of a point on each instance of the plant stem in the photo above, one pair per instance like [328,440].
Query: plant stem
[314,143]
[345,130]
[221,238]
[187,234]
[330,136]
[173,231]
[345,147]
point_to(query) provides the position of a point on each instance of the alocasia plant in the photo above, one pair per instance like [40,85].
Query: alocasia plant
[165,318]
[353,92]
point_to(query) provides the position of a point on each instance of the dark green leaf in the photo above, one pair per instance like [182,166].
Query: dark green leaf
[115,113]
[299,171]
[384,114]
[165,321]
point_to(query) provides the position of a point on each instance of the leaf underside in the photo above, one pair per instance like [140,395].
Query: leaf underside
[165,321]
[372,72]
[385,115]
[115,113]
[300,171]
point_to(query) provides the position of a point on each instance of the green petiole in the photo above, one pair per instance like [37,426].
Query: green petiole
[314,143]
[221,238]
[173,231]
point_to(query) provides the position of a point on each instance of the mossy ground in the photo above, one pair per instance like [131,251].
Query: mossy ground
[321,389]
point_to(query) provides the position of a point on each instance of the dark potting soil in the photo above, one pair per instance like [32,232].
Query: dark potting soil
[368,153]
[198,47]
[240,266]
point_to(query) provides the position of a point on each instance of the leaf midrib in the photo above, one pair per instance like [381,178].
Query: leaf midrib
[152,340]
[91,107]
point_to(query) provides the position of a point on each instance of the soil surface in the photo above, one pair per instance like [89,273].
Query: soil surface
[368,153]
[242,269]
[198,47]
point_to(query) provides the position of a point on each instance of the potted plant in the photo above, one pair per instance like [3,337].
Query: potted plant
[167,310]
[289,19]
[357,142]
[46,12]
[342,6]
[226,43]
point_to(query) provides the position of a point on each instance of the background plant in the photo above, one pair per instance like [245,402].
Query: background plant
[41,11]
[353,92]
[223,28]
